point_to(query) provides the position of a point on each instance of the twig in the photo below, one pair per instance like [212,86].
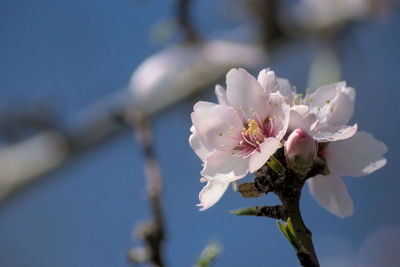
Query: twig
[308,258]
[289,191]
[153,233]
[184,20]
[275,212]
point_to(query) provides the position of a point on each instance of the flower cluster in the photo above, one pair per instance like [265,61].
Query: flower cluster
[256,117]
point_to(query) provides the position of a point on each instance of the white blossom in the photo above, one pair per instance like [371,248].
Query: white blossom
[238,135]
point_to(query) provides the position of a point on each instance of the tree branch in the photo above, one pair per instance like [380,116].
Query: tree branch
[289,190]
[152,232]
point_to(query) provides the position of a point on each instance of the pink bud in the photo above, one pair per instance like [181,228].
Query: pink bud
[300,151]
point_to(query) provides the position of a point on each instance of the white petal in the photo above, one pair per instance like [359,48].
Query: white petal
[268,81]
[301,118]
[279,112]
[341,110]
[350,92]
[273,84]
[323,94]
[333,104]
[210,194]
[334,133]
[245,92]
[331,193]
[222,167]
[202,149]
[221,95]
[267,148]
[286,89]
[357,156]
[214,124]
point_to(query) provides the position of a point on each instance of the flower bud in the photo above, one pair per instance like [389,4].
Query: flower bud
[300,151]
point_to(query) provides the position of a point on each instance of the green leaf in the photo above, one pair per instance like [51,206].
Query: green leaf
[289,225]
[283,229]
[252,211]
[277,166]
[208,255]
[288,232]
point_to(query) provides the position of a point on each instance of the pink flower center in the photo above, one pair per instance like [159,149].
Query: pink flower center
[252,135]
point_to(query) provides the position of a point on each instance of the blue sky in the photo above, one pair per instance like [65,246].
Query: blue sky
[72,53]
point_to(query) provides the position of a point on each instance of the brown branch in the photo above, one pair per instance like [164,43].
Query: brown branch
[276,212]
[289,191]
[152,232]
[307,258]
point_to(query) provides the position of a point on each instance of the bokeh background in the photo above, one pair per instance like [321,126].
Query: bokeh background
[69,54]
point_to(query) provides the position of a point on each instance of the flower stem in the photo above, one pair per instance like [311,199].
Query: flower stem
[306,255]
[288,189]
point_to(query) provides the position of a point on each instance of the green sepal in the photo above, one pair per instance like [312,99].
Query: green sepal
[288,232]
[277,166]
[251,211]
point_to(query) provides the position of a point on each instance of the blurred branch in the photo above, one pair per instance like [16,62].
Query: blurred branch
[23,162]
[267,14]
[185,21]
[23,119]
[182,71]
[152,232]
[32,158]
